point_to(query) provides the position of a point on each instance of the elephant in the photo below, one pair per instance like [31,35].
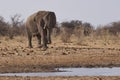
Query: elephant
[49,19]
[40,24]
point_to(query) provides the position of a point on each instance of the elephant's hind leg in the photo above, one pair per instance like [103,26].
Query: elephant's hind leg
[29,35]
[30,41]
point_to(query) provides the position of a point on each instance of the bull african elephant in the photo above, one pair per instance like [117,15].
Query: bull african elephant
[40,24]
[49,19]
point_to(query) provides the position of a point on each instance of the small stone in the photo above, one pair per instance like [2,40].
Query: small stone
[31,50]
[46,53]
[28,53]
[51,46]
[64,53]
[17,54]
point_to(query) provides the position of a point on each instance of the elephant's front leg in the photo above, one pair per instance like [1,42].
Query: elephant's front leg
[43,37]
[30,41]
[49,35]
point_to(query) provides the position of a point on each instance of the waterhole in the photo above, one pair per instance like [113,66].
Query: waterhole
[115,71]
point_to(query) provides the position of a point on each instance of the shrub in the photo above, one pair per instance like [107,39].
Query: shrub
[79,33]
[66,34]
[56,31]
[14,28]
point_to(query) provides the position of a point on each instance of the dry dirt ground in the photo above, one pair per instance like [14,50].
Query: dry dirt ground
[16,57]
[62,78]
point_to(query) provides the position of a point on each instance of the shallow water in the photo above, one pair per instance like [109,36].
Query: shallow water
[73,72]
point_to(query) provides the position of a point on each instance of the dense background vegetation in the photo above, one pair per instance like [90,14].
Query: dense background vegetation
[65,29]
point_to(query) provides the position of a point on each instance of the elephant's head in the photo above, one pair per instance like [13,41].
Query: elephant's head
[38,19]
[49,19]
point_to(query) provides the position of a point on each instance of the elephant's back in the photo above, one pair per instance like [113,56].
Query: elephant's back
[30,19]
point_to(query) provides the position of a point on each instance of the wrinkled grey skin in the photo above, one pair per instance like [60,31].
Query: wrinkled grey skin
[40,24]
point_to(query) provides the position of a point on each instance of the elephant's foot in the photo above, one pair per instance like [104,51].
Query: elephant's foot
[49,42]
[44,48]
[39,46]
[29,47]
